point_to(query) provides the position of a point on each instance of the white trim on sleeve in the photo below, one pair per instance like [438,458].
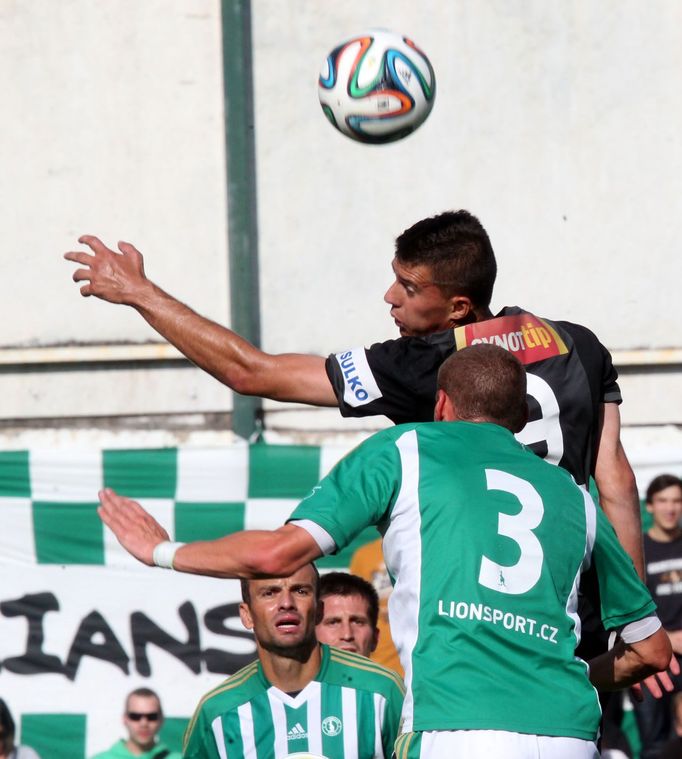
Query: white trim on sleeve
[323,539]
[642,628]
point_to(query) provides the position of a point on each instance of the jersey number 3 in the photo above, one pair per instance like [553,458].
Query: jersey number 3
[522,576]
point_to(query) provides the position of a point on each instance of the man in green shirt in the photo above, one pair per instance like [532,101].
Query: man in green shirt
[143,718]
[486,543]
[299,695]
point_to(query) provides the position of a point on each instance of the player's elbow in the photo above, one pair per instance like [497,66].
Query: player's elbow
[660,658]
[276,557]
[655,652]
[614,476]
[252,377]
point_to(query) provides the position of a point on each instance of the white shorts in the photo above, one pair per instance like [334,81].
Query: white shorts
[472,744]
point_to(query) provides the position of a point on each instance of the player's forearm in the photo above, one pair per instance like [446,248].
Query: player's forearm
[217,350]
[626,664]
[617,486]
[249,554]
[230,358]
[620,501]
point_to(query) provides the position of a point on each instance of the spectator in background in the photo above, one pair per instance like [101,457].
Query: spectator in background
[663,560]
[143,719]
[368,562]
[673,748]
[350,609]
[8,748]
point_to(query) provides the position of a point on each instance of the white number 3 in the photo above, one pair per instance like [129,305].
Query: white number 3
[522,576]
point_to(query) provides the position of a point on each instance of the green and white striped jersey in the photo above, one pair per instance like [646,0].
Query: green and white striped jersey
[351,710]
[486,543]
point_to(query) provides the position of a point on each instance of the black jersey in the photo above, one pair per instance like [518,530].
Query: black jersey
[570,374]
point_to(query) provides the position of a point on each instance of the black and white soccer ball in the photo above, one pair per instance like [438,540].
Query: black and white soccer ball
[377,87]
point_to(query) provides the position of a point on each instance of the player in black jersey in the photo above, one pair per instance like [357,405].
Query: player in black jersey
[444,275]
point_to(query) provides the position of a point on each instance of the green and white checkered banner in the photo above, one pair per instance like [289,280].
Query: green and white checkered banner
[82,623]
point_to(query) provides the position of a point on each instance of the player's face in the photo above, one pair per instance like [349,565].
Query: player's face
[418,306]
[346,624]
[666,508]
[282,612]
[142,720]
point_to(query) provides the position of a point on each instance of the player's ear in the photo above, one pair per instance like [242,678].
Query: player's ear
[245,616]
[444,411]
[460,308]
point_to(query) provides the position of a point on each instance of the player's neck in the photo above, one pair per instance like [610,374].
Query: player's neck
[662,535]
[291,674]
[136,750]
[475,315]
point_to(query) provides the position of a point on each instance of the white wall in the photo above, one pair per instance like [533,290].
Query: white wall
[556,122]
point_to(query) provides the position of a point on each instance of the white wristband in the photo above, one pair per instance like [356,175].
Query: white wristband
[164,553]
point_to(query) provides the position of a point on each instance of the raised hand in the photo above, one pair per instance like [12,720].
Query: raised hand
[136,530]
[111,276]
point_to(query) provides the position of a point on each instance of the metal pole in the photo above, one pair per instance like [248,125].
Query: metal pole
[241,194]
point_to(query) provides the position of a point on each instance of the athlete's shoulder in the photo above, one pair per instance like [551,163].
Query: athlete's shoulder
[387,436]
[576,331]
[352,670]
[239,688]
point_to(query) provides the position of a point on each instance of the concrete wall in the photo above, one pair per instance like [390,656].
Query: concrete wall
[556,122]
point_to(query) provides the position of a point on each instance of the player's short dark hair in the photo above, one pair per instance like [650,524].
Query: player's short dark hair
[7,725]
[346,584]
[246,590]
[145,693]
[659,483]
[486,383]
[457,249]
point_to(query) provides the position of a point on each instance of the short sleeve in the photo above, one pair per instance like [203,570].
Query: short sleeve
[624,597]
[598,364]
[396,378]
[198,741]
[358,492]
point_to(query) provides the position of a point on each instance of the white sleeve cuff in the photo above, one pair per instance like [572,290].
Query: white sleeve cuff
[323,539]
[641,629]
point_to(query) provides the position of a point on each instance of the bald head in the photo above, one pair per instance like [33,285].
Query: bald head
[483,383]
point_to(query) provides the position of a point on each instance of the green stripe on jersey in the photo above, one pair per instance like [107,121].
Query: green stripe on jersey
[232,734]
[297,727]
[332,709]
[366,727]
[264,725]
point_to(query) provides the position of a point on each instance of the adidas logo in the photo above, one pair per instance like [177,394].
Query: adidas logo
[297,732]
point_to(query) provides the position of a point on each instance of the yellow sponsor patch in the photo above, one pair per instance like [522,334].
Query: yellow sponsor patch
[529,338]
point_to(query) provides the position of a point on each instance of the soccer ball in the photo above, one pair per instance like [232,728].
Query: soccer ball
[377,87]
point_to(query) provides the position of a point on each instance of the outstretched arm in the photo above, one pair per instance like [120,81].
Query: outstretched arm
[120,278]
[626,664]
[617,487]
[248,554]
